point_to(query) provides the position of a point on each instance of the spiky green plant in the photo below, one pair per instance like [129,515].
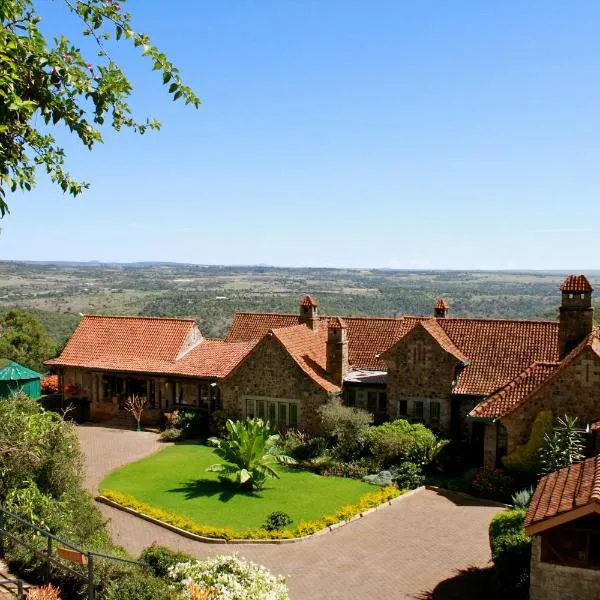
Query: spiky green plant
[564,446]
[249,451]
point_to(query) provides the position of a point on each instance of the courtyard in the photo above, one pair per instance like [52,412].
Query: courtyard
[403,551]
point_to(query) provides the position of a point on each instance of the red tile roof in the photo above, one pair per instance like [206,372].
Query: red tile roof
[441,304]
[309,301]
[576,284]
[148,345]
[497,350]
[515,392]
[308,349]
[511,397]
[337,323]
[574,488]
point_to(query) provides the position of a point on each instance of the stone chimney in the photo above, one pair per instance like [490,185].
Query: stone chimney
[440,309]
[309,312]
[337,350]
[576,313]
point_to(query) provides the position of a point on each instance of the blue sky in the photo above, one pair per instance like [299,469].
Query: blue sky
[370,133]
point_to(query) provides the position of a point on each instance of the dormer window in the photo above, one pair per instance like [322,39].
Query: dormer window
[418,354]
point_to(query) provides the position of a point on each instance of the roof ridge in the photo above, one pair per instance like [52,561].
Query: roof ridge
[402,317]
[140,317]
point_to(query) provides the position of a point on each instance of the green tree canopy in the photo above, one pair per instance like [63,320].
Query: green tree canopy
[55,81]
[25,340]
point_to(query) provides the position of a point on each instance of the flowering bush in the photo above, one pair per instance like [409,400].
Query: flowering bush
[494,484]
[228,578]
[50,384]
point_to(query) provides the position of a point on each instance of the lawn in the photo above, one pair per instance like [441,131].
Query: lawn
[175,480]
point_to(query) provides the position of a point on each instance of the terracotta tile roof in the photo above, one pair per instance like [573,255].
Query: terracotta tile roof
[563,491]
[336,323]
[309,301]
[441,304]
[576,284]
[148,345]
[437,333]
[515,392]
[308,349]
[497,350]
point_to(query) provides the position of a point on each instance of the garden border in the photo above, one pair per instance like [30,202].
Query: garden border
[210,540]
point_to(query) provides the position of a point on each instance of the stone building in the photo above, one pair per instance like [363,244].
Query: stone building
[570,384]
[564,522]
[434,369]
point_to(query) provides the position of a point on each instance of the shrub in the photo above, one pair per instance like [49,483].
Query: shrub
[160,559]
[193,424]
[49,384]
[493,484]
[332,467]
[525,458]
[301,446]
[511,552]
[408,476]
[233,577]
[139,586]
[172,434]
[399,441]
[347,427]
[277,520]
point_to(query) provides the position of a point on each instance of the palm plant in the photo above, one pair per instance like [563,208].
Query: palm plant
[249,451]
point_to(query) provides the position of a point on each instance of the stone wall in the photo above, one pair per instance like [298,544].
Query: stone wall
[555,582]
[270,372]
[419,369]
[574,391]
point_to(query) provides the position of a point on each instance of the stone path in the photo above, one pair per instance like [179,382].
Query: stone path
[400,552]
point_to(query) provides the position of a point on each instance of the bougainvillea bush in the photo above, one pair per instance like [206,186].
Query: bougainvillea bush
[50,384]
[228,577]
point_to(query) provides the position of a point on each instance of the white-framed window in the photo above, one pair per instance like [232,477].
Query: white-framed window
[277,412]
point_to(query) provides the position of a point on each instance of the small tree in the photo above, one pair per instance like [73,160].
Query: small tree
[562,447]
[135,405]
[346,426]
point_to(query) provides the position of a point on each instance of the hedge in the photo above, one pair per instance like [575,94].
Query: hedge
[511,552]
[369,500]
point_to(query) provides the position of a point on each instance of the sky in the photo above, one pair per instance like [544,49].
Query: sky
[342,133]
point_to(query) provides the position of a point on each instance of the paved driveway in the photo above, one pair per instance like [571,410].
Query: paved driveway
[400,552]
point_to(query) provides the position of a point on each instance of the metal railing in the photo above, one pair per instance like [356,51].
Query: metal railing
[53,542]
[7,585]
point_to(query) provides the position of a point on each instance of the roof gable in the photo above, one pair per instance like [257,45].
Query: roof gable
[434,331]
[306,347]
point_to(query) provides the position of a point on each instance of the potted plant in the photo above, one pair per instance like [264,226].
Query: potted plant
[135,405]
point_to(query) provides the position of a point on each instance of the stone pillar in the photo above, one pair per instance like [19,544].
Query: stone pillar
[489,445]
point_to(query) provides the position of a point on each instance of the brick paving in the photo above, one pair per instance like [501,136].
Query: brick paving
[400,552]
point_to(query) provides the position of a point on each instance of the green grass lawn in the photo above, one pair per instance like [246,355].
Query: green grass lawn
[175,480]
